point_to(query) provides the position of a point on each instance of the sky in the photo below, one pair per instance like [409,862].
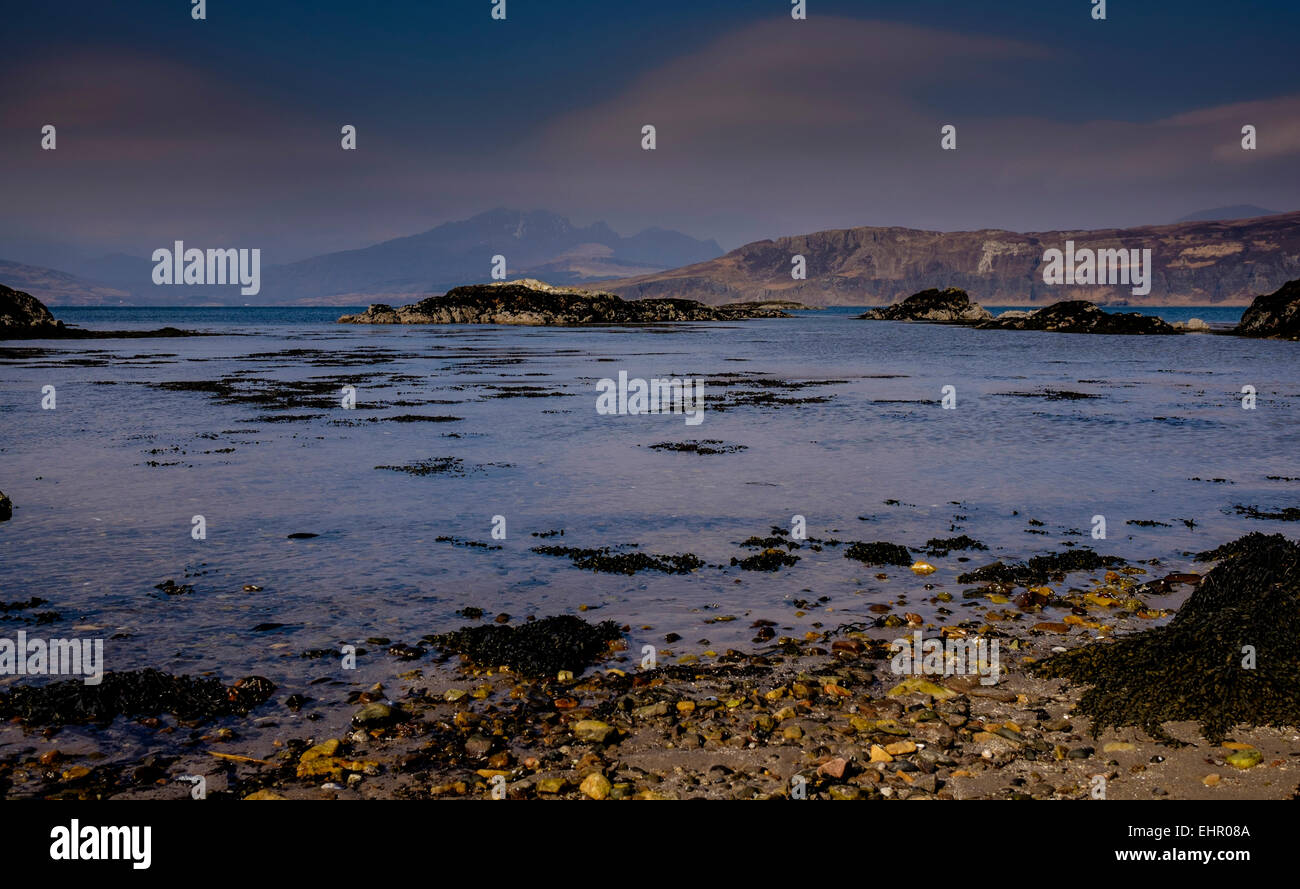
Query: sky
[226,132]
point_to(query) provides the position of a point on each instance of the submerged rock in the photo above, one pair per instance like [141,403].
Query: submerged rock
[1081,316]
[536,303]
[1275,315]
[538,648]
[1198,667]
[951,306]
[134,693]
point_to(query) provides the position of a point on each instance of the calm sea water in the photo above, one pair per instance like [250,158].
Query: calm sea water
[107,484]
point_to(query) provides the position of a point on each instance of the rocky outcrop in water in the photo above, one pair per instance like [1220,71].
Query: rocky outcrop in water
[6,508]
[950,306]
[1275,315]
[535,303]
[1080,316]
[22,313]
[23,316]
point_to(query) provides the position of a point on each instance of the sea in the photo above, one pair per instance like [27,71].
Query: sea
[819,421]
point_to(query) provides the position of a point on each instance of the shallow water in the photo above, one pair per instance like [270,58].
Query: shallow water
[105,486]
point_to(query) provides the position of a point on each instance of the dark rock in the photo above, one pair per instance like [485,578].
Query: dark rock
[532,302]
[951,306]
[23,316]
[1080,316]
[6,508]
[1275,315]
[22,313]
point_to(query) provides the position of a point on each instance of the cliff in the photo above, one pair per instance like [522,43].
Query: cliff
[1194,263]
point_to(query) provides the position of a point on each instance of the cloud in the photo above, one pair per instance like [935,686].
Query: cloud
[775,128]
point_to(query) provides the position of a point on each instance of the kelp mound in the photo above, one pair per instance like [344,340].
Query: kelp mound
[537,648]
[879,553]
[1040,569]
[134,693]
[1198,667]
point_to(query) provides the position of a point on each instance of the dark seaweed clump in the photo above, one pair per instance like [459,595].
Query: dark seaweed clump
[706,446]
[768,560]
[1289,514]
[606,561]
[1040,569]
[1246,544]
[538,648]
[879,553]
[432,466]
[1193,668]
[941,546]
[133,693]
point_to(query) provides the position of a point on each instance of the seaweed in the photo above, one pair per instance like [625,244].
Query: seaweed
[606,561]
[134,693]
[1227,658]
[1040,569]
[879,553]
[537,648]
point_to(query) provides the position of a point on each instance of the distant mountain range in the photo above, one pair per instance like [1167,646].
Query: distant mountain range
[1214,257]
[57,288]
[1236,211]
[1194,263]
[535,244]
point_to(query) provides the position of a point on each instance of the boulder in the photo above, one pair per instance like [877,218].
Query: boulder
[1081,316]
[22,313]
[1275,315]
[951,306]
[6,508]
[536,303]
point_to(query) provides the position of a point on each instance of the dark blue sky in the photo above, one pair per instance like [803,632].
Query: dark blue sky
[227,128]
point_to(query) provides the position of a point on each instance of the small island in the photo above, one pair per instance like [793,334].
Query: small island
[530,302]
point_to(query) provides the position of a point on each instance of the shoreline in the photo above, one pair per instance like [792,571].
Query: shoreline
[821,717]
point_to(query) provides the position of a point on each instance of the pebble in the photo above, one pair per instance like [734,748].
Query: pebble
[374,714]
[592,730]
[1245,759]
[595,786]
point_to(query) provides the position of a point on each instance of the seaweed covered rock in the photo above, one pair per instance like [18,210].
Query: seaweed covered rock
[1197,668]
[536,303]
[951,306]
[1081,316]
[1274,314]
[23,314]
[133,693]
[538,648]
[1040,569]
[879,553]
